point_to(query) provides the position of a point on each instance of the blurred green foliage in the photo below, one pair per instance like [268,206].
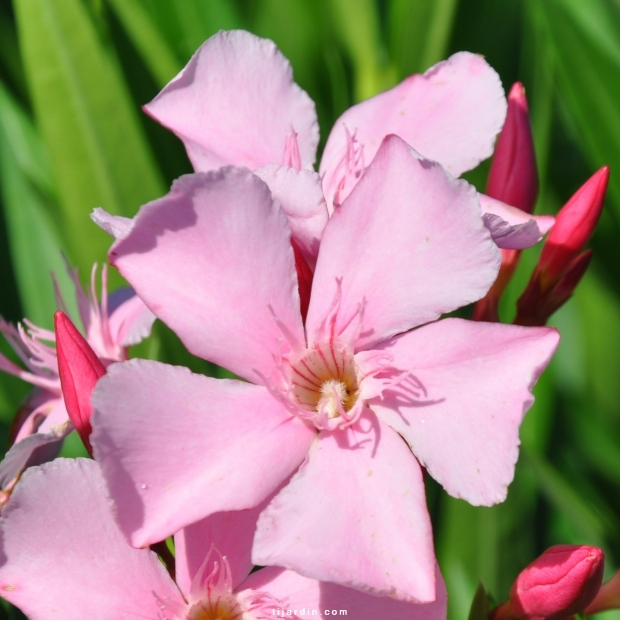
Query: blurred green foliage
[74,73]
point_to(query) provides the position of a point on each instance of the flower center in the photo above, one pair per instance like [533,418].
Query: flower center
[324,382]
[218,606]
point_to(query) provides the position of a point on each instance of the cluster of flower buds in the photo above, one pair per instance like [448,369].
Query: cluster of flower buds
[513,179]
[563,581]
[563,262]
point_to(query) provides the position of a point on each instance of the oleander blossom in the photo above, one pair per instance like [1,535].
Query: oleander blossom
[330,393]
[451,115]
[86,569]
[110,325]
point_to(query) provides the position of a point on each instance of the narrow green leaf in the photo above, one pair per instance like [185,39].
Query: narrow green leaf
[480,605]
[33,235]
[583,516]
[419,33]
[199,20]
[599,311]
[357,25]
[25,144]
[539,69]
[587,36]
[153,48]
[471,546]
[88,121]
[9,53]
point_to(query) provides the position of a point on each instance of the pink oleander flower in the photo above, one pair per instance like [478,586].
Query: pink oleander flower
[42,423]
[330,398]
[70,561]
[235,103]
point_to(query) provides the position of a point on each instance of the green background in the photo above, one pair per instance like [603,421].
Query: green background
[74,73]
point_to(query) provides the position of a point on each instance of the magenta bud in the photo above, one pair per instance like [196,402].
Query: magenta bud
[561,582]
[79,369]
[513,177]
[574,225]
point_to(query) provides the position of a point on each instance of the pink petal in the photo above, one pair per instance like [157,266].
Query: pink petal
[451,115]
[408,244]
[115,225]
[298,593]
[130,320]
[301,196]
[236,103]
[70,560]
[511,228]
[354,514]
[213,260]
[32,450]
[39,413]
[176,447]
[474,384]
[56,415]
[231,533]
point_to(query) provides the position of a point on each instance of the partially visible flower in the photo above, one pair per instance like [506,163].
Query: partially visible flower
[86,569]
[451,115]
[332,394]
[562,261]
[562,582]
[41,424]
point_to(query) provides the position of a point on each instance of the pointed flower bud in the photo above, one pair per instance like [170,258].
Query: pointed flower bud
[513,178]
[562,263]
[561,582]
[79,369]
[574,225]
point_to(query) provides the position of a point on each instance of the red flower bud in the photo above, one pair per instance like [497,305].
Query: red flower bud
[79,369]
[573,227]
[513,178]
[561,582]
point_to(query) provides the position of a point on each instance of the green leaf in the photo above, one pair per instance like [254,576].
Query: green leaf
[187,24]
[154,50]
[356,22]
[420,33]
[89,123]
[480,605]
[34,239]
[200,20]
[584,517]
[599,312]
[586,38]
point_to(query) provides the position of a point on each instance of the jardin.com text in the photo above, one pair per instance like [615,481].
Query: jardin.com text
[306,611]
